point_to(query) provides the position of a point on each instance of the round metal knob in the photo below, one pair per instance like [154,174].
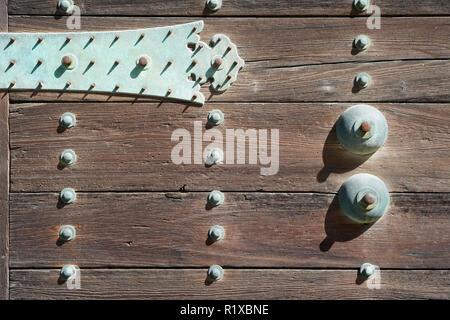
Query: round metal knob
[68,195]
[216,233]
[65,6]
[362,80]
[216,198]
[67,120]
[214,5]
[68,157]
[367,270]
[362,129]
[67,233]
[215,272]
[214,156]
[363,198]
[215,117]
[68,271]
[361,42]
[361,5]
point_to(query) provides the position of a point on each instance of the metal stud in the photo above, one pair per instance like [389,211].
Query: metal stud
[67,120]
[68,271]
[363,198]
[217,62]
[65,6]
[362,129]
[215,117]
[367,270]
[68,157]
[215,272]
[361,42]
[213,5]
[67,195]
[362,80]
[216,233]
[67,233]
[361,5]
[66,60]
[214,156]
[216,198]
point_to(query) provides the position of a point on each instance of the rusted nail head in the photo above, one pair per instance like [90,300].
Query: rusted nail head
[365,126]
[218,62]
[143,61]
[66,60]
[369,199]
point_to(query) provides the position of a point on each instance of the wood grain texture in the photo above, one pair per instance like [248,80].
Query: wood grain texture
[236,284]
[232,7]
[4,174]
[123,146]
[262,230]
[304,59]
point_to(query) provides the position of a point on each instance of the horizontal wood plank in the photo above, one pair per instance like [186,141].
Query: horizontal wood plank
[262,230]
[236,284]
[123,146]
[304,59]
[232,7]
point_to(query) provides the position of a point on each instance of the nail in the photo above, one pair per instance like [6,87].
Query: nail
[215,272]
[67,120]
[67,233]
[216,198]
[216,233]
[367,270]
[217,62]
[143,61]
[68,157]
[67,195]
[365,126]
[68,271]
[66,60]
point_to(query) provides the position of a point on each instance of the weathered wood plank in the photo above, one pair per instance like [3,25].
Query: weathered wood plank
[122,146]
[306,59]
[262,230]
[4,174]
[272,42]
[237,284]
[232,7]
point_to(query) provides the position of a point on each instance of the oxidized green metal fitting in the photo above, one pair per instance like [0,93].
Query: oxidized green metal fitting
[364,198]
[67,120]
[214,156]
[68,195]
[167,62]
[361,5]
[215,272]
[65,6]
[215,117]
[362,80]
[67,233]
[68,271]
[367,270]
[213,5]
[216,198]
[361,42]
[216,233]
[68,157]
[362,129]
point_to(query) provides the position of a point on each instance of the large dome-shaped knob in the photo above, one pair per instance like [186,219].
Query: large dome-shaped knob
[363,198]
[362,129]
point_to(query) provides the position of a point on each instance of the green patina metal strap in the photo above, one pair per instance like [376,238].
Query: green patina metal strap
[167,62]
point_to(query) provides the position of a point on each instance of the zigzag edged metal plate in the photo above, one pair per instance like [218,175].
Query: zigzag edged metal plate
[167,62]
